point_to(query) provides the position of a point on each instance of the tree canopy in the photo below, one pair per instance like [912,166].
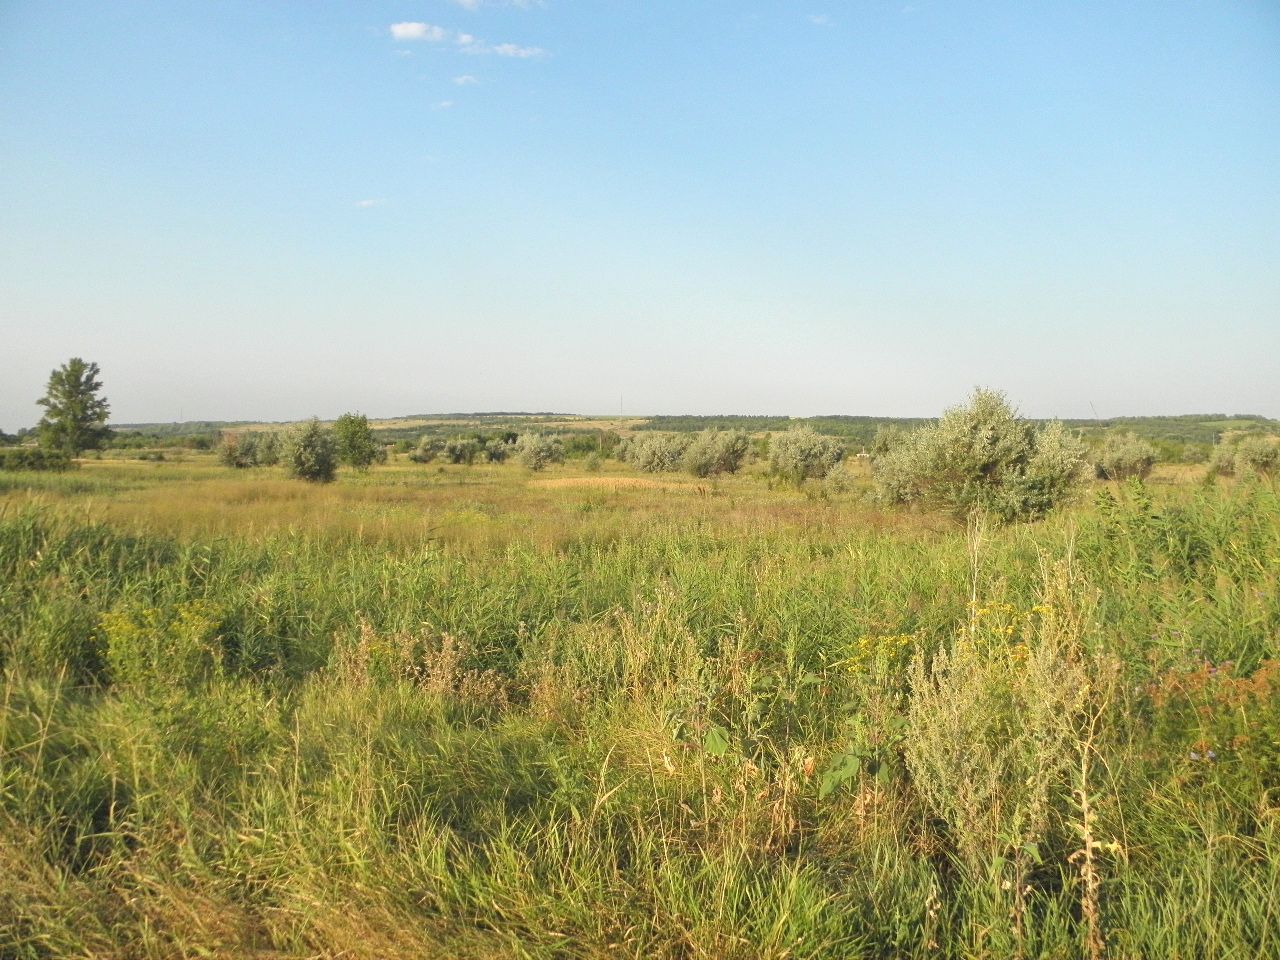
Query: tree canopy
[75,417]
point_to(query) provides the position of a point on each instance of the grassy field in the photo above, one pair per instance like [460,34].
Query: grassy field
[479,712]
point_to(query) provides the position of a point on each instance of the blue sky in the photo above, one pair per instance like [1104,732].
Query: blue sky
[272,210]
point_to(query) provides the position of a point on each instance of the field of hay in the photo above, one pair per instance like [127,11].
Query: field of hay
[457,711]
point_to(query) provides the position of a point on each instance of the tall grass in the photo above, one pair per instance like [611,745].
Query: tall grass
[728,723]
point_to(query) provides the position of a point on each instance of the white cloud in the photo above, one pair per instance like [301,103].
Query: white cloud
[466,80]
[415,30]
[474,5]
[372,202]
[821,19]
[513,50]
[442,105]
[467,43]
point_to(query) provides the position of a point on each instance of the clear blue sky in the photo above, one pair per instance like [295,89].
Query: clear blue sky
[272,210]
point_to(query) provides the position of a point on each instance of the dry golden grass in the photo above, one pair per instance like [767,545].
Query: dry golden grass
[476,508]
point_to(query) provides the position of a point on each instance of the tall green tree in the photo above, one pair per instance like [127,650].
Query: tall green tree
[356,444]
[75,417]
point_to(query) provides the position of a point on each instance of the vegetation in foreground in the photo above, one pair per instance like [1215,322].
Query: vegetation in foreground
[478,711]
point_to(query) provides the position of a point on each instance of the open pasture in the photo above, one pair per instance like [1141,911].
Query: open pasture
[478,712]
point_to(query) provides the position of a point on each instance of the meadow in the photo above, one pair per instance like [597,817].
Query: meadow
[447,711]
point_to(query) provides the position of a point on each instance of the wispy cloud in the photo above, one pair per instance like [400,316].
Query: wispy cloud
[466,80]
[820,19]
[474,5]
[372,202]
[515,50]
[442,105]
[416,30]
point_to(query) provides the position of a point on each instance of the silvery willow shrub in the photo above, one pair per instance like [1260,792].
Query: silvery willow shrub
[462,450]
[982,456]
[592,463]
[428,449]
[537,450]
[839,479]
[1124,455]
[803,454]
[311,453]
[887,437]
[267,450]
[658,452]
[250,449]
[1222,461]
[497,450]
[238,450]
[1257,455]
[716,451]
[356,444]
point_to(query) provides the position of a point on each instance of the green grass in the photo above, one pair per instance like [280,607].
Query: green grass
[474,713]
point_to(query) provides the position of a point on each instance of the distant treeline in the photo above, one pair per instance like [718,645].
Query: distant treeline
[1191,428]
[857,431]
[545,414]
[186,427]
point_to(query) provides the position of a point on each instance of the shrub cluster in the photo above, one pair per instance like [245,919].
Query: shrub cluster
[250,449]
[1257,455]
[704,454]
[655,452]
[538,450]
[1123,456]
[464,449]
[983,457]
[803,454]
[311,453]
[33,458]
[714,452]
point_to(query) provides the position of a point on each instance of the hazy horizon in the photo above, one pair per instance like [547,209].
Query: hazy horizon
[259,212]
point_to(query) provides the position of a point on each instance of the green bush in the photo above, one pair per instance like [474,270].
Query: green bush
[658,452]
[237,450]
[1124,455]
[462,450]
[803,454]
[839,479]
[268,448]
[250,449]
[1259,455]
[888,436]
[537,450]
[428,449]
[1222,461]
[356,444]
[311,454]
[497,450]
[716,451]
[34,458]
[983,456]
